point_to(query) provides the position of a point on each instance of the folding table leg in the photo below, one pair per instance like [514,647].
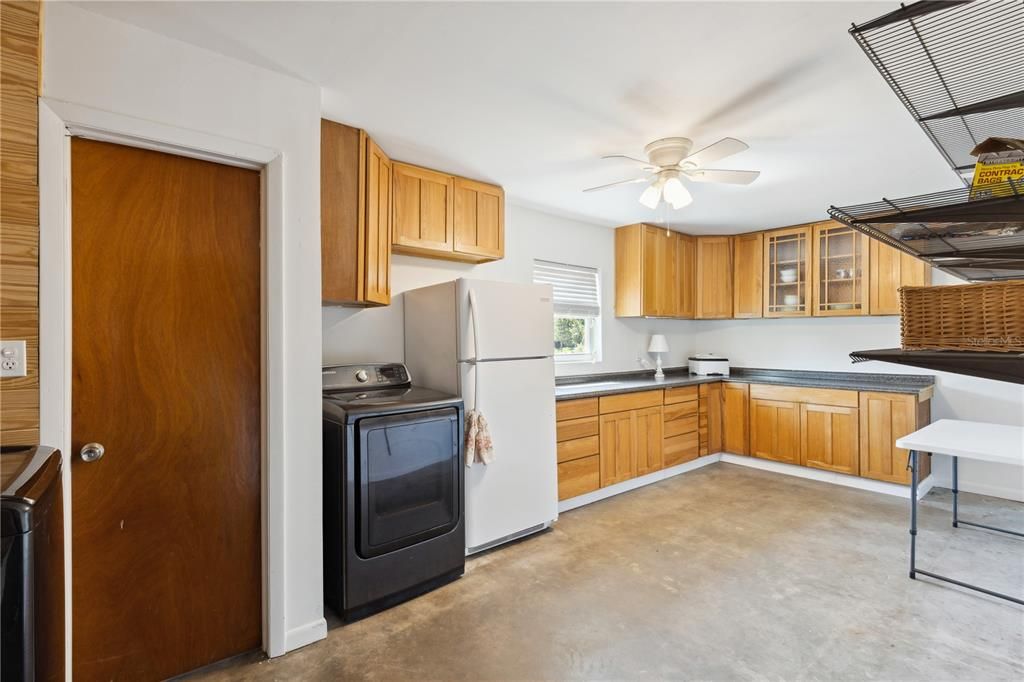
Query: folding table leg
[913,513]
[956,519]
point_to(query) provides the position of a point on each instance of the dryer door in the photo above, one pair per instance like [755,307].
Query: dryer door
[409,479]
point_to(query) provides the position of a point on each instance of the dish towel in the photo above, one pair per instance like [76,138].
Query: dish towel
[478,439]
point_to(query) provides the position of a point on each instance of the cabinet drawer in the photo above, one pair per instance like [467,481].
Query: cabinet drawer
[680,410]
[579,476]
[680,426]
[576,428]
[798,394]
[679,449]
[569,450]
[574,409]
[680,394]
[630,401]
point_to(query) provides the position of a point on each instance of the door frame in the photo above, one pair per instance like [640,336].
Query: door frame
[58,122]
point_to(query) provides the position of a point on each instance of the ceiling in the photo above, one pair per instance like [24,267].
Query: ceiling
[530,95]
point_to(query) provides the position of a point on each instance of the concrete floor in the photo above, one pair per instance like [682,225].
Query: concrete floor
[722,573]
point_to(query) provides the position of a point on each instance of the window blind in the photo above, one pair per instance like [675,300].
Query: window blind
[576,289]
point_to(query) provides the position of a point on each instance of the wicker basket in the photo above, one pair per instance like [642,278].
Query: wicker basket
[978,317]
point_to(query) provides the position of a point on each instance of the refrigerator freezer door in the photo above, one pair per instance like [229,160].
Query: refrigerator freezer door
[514,320]
[518,490]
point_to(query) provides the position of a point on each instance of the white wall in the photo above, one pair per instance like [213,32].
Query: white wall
[818,343]
[376,334]
[107,65]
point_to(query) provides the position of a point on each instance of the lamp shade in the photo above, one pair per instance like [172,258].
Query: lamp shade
[658,344]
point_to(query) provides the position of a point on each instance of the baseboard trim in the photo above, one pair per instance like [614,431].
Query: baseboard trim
[829,476]
[634,483]
[296,638]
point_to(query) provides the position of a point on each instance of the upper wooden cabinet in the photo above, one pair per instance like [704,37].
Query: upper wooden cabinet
[888,270]
[839,270]
[479,219]
[686,271]
[438,215]
[424,210]
[355,218]
[653,272]
[747,275]
[787,272]
[714,278]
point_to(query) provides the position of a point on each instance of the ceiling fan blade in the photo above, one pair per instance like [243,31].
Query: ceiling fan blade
[731,177]
[615,184]
[727,146]
[646,164]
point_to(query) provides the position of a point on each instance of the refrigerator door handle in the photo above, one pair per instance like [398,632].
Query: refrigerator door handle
[475,324]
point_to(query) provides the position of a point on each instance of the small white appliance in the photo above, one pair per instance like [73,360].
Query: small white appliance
[708,364]
[491,343]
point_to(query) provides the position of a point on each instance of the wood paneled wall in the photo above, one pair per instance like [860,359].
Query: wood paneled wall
[19,212]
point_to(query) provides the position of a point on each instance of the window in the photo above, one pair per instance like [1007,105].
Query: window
[577,303]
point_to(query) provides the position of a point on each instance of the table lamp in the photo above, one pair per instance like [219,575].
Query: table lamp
[658,346]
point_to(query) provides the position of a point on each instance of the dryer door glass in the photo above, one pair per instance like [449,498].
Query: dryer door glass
[408,479]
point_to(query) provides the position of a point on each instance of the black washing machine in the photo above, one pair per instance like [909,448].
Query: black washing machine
[393,488]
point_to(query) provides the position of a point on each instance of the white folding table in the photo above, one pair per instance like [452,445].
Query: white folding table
[971,440]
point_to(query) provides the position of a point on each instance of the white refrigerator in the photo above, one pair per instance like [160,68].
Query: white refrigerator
[497,336]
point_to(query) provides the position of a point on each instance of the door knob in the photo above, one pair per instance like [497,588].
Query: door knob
[91,452]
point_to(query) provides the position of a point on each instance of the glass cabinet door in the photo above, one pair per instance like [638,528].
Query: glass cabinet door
[787,290]
[840,270]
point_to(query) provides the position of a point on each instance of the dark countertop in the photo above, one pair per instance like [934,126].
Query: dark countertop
[593,385]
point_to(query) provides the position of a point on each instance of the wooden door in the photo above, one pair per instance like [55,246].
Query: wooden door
[424,210]
[659,268]
[166,375]
[686,274]
[618,447]
[735,418]
[830,438]
[714,278]
[649,440]
[884,417]
[839,270]
[710,423]
[377,245]
[889,269]
[479,219]
[787,272]
[775,430]
[748,272]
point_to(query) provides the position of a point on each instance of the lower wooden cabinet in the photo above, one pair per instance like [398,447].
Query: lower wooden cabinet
[736,418]
[830,438]
[649,436]
[618,447]
[711,418]
[611,439]
[884,417]
[775,430]
[577,431]
[578,476]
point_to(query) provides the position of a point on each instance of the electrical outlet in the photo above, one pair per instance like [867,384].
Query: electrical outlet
[13,362]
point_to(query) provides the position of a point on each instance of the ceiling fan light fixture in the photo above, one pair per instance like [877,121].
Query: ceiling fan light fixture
[652,195]
[676,193]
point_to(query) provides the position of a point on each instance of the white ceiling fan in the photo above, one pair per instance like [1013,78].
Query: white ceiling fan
[669,162]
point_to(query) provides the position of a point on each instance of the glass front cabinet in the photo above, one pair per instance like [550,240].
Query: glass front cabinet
[787,272]
[839,270]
